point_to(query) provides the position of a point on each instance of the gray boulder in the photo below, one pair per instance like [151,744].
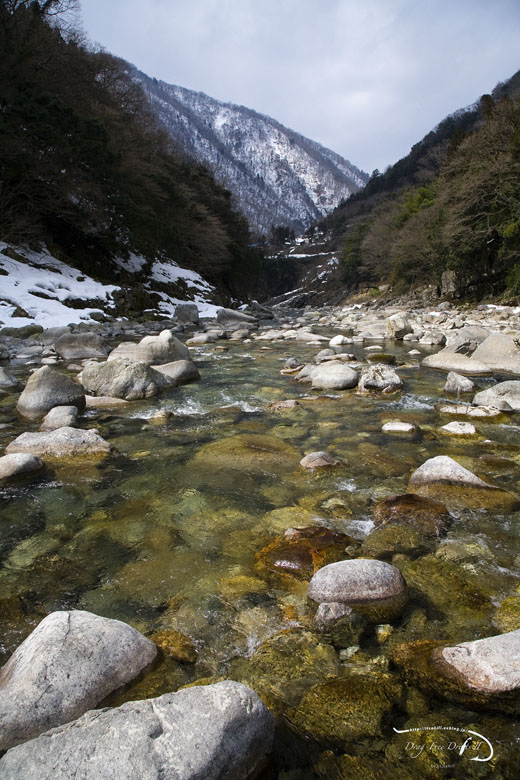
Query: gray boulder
[7,380]
[446,360]
[69,663]
[75,346]
[379,377]
[486,666]
[187,313]
[443,469]
[332,375]
[123,377]
[455,383]
[47,388]
[60,417]
[504,391]
[374,587]
[398,326]
[153,350]
[319,460]
[19,464]
[51,335]
[232,318]
[213,732]
[202,338]
[500,352]
[467,339]
[179,372]
[61,443]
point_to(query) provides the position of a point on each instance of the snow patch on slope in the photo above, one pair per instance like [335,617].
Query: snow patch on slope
[24,281]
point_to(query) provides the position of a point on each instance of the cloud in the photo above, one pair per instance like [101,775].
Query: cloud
[368,78]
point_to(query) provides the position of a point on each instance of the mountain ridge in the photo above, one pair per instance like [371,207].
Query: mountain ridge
[277,175]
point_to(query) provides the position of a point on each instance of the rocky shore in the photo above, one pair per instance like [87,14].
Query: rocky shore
[420,605]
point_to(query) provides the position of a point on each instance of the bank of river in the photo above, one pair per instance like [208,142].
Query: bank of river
[176,532]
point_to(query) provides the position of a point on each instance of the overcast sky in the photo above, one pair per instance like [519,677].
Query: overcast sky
[367,78]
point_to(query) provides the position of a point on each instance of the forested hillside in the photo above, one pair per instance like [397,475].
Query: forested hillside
[86,171]
[448,214]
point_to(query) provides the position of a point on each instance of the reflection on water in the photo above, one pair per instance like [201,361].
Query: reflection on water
[166,535]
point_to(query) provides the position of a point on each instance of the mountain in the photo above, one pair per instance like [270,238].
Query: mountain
[277,176]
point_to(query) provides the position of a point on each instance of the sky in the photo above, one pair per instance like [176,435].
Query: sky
[366,78]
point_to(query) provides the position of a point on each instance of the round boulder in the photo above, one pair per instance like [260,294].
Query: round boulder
[333,375]
[47,388]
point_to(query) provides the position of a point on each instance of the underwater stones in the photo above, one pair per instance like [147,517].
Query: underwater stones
[61,443]
[175,645]
[47,388]
[319,460]
[19,464]
[374,588]
[300,552]
[456,383]
[447,360]
[70,662]
[390,540]
[464,429]
[284,406]
[504,391]
[207,731]
[124,378]
[500,352]
[332,375]
[428,516]
[75,346]
[481,674]
[379,377]
[340,711]
[59,417]
[507,617]
[444,478]
[179,372]
[286,665]
[164,348]
[248,452]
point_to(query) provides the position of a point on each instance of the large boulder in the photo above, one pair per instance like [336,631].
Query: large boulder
[467,339]
[374,588]
[75,346]
[60,443]
[445,479]
[504,391]
[60,417]
[447,360]
[123,377]
[187,313]
[333,375]
[179,372]
[456,383]
[214,731]
[228,318]
[19,464]
[500,352]
[70,662]
[379,377]
[153,350]
[47,388]
[398,326]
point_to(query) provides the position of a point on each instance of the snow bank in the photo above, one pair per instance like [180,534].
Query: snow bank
[23,281]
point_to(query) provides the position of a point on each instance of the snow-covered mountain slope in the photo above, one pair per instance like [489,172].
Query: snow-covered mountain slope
[37,288]
[278,177]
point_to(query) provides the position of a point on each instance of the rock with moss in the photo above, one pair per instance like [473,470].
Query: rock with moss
[176,645]
[428,516]
[373,588]
[443,477]
[387,541]
[481,674]
[245,452]
[300,552]
[338,712]
[507,617]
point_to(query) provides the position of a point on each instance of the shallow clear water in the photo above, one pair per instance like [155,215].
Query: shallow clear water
[166,534]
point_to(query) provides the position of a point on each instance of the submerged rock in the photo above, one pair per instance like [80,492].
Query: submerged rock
[60,443]
[374,588]
[300,552]
[176,645]
[245,452]
[7,380]
[69,663]
[319,460]
[213,731]
[47,388]
[123,377]
[428,516]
